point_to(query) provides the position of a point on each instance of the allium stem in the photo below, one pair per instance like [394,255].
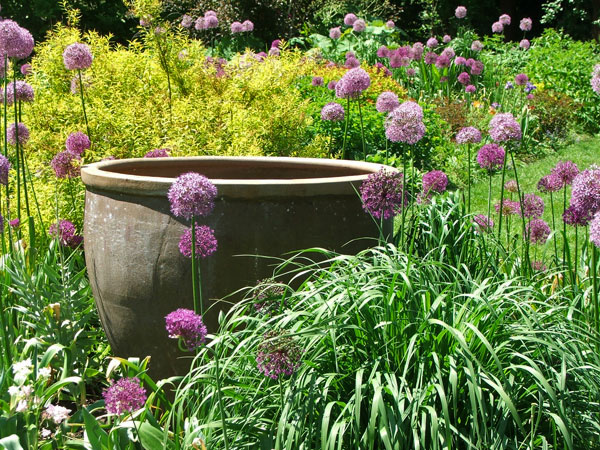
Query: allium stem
[87,126]
[501,199]
[564,224]
[346,129]
[489,208]
[554,228]
[526,258]
[469,186]
[220,398]
[403,197]
[195,271]
[362,130]
[5,110]
[595,287]
[17,143]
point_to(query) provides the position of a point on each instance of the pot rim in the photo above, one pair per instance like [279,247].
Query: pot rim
[97,178]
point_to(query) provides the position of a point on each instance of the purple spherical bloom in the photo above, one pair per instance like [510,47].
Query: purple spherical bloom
[359,25]
[449,52]
[524,44]
[335,33]
[476,68]
[277,42]
[483,224]
[332,111]
[206,243]
[549,183]
[504,127]
[65,232]
[595,230]
[460,61]
[538,231]
[317,81]
[446,38]
[538,266]
[476,46]
[390,24]
[273,51]
[468,135]
[14,223]
[383,52]
[410,72]
[430,58]
[201,24]
[26,69]
[521,79]
[349,19]
[418,49]
[278,355]
[398,58]
[504,19]
[533,206]
[470,89]
[508,207]
[491,157]
[192,195]
[186,21]
[460,12]
[432,42]
[24,92]
[410,133]
[126,395]
[565,172]
[595,81]
[525,24]
[382,194]
[77,57]
[576,217]
[497,27]
[353,83]
[260,56]
[77,143]
[158,153]
[442,61]
[65,165]
[236,27]
[464,78]
[331,85]
[435,181]
[511,186]
[350,55]
[186,325]
[15,41]
[387,102]
[247,25]
[469,62]
[4,169]
[211,22]
[352,63]
[21,130]
[210,12]
[585,192]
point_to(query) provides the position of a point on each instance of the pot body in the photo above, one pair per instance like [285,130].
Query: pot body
[265,207]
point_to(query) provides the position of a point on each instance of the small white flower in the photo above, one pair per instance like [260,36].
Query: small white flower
[57,413]
[26,391]
[21,406]
[45,372]
[21,370]
[14,390]
[45,433]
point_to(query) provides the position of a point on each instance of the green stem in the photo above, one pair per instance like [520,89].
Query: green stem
[346,129]
[194,271]
[595,287]
[554,228]
[526,261]
[564,224]
[489,206]
[362,131]
[501,199]
[87,126]
[469,188]
[220,399]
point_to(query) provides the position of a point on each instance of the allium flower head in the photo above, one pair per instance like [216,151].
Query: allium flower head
[511,186]
[442,61]
[468,135]
[4,169]
[278,355]
[331,85]
[206,243]
[404,123]
[483,224]
[538,231]
[351,63]
[521,79]
[158,153]
[504,19]
[476,68]
[24,92]
[491,157]
[390,24]
[585,192]
[65,232]
[460,61]
[14,223]
[186,21]
[209,13]
[446,38]
[383,52]
[470,89]
[200,24]
[65,165]
[274,51]
[418,49]
[349,19]
[538,266]
[382,194]
[237,27]
[524,44]
[576,217]
[533,206]
[508,207]
[504,127]
[432,42]
[525,24]
[387,102]
[185,324]
[25,69]
[359,25]
[276,43]
[332,111]
[77,143]
[464,78]
[549,183]
[565,172]
[335,33]
[56,413]
[435,181]
[192,194]
[77,57]
[595,230]
[353,83]
[476,46]
[15,41]
[497,27]
[126,395]
[247,25]
[268,296]
[595,80]
[460,12]
[430,58]
[449,52]
[211,22]
[317,81]
[21,130]
[411,72]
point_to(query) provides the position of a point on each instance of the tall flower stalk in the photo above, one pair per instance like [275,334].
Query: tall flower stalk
[351,86]
[468,136]
[79,57]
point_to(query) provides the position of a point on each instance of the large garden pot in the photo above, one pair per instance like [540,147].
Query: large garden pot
[265,206]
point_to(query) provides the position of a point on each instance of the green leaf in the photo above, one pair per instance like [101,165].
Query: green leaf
[153,438]
[95,434]
[11,443]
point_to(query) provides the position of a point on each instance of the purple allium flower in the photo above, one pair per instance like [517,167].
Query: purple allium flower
[14,223]
[350,55]
[260,56]
[24,92]
[460,61]
[317,81]
[476,46]
[404,123]
[349,19]
[483,224]
[504,127]
[442,61]
[565,172]
[21,130]
[273,51]
[269,296]
[210,12]
[460,12]
[77,56]
[504,19]
[538,266]
[525,24]
[206,243]
[15,42]
[276,43]
[185,324]
[65,232]
[468,135]
[352,63]
[126,395]
[4,169]
[335,33]
[380,68]
[469,62]
[595,230]
[595,80]
[410,72]
[158,153]
[390,24]
[332,111]
[491,157]
[521,79]
[200,24]
[383,52]
[511,186]
[585,192]
[533,206]
[247,25]
[398,59]
[186,21]
[430,58]
[236,27]
[432,42]
[464,78]
[435,181]
[446,38]
[331,85]
[576,217]
[352,83]
[524,44]
[508,207]
[418,49]
[538,231]
[497,27]
[549,183]
[449,52]
[211,22]
[382,193]
[278,355]
[26,69]
[77,143]
[65,165]
[359,25]
[192,195]
[476,68]
[387,102]
[470,89]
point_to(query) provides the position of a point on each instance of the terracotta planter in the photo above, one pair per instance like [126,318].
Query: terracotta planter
[265,206]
